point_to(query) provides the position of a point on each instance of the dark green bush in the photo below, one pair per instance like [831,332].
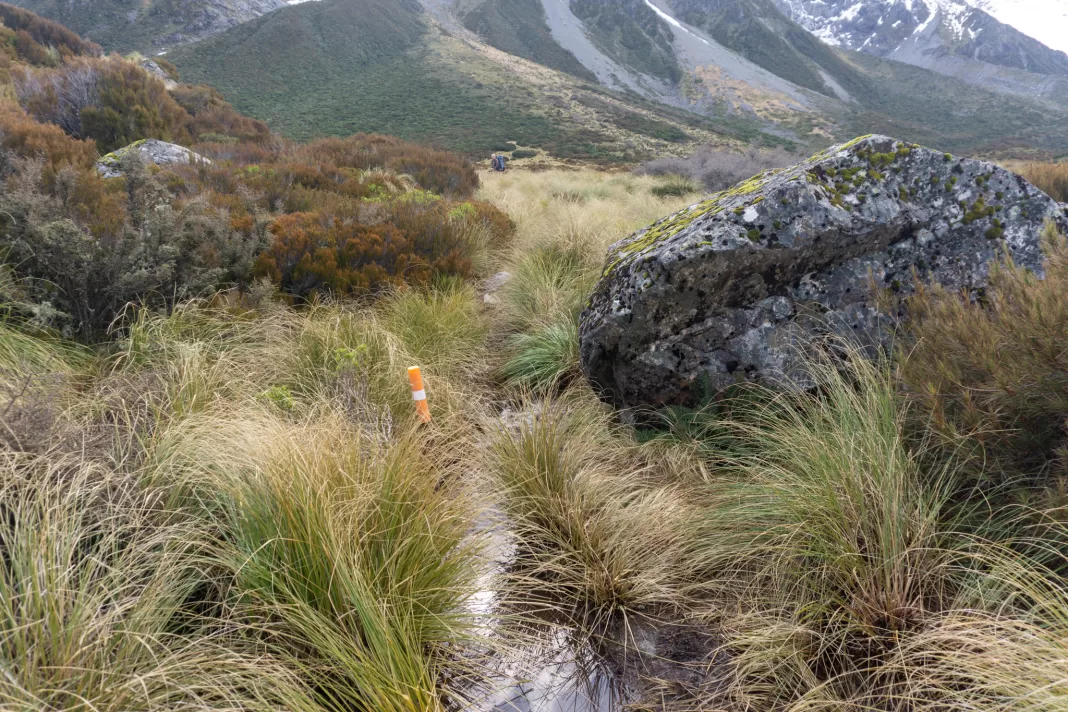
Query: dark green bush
[80,274]
[524,153]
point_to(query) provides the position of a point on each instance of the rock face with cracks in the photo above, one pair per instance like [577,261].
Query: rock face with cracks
[729,290]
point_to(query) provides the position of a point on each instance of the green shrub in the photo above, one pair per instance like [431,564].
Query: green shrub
[524,153]
[86,277]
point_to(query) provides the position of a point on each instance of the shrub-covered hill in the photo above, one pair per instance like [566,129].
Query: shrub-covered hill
[344,215]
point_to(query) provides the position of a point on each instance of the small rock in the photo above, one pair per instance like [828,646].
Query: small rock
[490,300]
[497,281]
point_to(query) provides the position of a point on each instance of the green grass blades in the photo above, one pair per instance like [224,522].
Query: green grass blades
[95,589]
[581,500]
[545,359]
[360,554]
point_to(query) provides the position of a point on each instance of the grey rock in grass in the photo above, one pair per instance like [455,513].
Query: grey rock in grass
[496,282]
[150,151]
[729,289]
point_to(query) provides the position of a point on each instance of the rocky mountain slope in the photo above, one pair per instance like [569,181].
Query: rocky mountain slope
[149,26]
[604,79]
[475,74]
[954,37]
[1045,20]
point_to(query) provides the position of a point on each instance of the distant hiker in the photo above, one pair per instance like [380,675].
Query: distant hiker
[494,163]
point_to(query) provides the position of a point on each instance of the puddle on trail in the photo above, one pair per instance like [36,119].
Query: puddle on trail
[557,668]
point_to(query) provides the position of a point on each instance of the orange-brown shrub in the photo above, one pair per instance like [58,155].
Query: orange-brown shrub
[111,101]
[440,172]
[1052,178]
[312,253]
[500,225]
[28,50]
[25,137]
[996,371]
[47,33]
[215,118]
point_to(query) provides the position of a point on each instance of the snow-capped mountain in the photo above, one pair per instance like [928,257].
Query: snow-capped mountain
[940,34]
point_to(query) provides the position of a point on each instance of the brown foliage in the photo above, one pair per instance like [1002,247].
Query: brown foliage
[440,172]
[111,101]
[1052,178]
[26,137]
[46,33]
[312,254]
[214,118]
[996,370]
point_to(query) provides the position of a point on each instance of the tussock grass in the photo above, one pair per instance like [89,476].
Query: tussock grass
[580,499]
[1052,178]
[235,508]
[565,222]
[93,602]
[354,551]
[546,359]
[676,186]
[995,372]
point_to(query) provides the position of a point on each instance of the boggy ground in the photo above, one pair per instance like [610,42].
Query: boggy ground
[235,507]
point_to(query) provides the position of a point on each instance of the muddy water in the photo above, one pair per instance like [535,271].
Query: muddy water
[553,668]
[557,667]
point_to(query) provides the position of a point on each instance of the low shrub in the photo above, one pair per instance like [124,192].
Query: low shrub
[524,153]
[82,271]
[46,33]
[675,186]
[25,137]
[717,169]
[111,100]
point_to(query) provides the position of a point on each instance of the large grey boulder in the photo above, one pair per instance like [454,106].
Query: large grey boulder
[150,151]
[728,289]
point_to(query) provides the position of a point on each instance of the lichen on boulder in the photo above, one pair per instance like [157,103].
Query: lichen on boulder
[149,150]
[727,289]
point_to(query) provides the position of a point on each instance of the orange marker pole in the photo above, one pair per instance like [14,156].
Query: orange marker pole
[415,377]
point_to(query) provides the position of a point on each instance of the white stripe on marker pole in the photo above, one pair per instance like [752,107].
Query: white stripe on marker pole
[415,378]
